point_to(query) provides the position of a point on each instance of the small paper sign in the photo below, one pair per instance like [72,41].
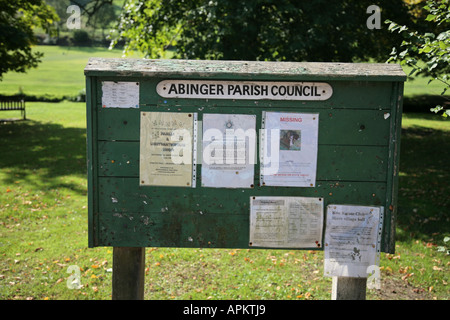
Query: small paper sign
[120,94]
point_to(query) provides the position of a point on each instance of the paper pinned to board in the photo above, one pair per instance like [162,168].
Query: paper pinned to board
[229,150]
[286,222]
[167,156]
[120,94]
[289,143]
[352,240]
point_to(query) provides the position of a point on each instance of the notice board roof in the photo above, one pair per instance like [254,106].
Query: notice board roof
[244,70]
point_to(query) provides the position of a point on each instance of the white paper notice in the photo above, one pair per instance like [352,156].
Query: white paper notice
[286,222]
[120,94]
[289,149]
[229,147]
[352,240]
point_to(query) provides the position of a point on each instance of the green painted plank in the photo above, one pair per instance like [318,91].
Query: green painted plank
[341,163]
[91,150]
[118,158]
[369,95]
[336,126]
[124,195]
[181,230]
[352,163]
[388,237]
[119,124]
[135,216]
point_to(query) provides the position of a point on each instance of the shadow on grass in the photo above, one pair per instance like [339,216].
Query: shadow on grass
[40,153]
[86,49]
[424,191]
[423,103]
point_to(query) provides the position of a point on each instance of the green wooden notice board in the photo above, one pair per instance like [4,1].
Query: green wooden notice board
[190,153]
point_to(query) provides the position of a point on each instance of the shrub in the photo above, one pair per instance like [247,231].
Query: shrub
[81,38]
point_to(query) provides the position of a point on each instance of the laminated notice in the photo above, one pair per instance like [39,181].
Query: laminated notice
[167,156]
[288,149]
[352,240]
[286,222]
[229,150]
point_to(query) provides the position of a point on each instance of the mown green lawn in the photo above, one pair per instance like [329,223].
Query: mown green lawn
[61,74]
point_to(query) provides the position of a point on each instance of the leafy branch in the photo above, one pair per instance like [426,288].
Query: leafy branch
[443,248]
[427,53]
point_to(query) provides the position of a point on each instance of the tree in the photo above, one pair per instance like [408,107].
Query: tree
[97,14]
[17,21]
[428,53]
[104,17]
[91,8]
[258,30]
[60,7]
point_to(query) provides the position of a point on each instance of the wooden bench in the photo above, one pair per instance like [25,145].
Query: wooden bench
[13,103]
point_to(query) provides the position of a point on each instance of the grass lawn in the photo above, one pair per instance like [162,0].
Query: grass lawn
[43,226]
[61,74]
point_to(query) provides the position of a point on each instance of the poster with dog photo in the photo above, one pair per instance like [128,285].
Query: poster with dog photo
[289,149]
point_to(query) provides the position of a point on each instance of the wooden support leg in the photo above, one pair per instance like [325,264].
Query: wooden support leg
[128,273]
[345,288]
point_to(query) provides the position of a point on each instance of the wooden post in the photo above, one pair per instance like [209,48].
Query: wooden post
[128,273]
[345,288]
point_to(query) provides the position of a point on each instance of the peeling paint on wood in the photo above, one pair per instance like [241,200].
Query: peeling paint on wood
[254,69]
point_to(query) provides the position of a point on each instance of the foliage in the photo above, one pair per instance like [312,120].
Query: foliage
[257,30]
[104,16]
[94,9]
[94,15]
[60,7]
[47,82]
[17,21]
[444,248]
[427,53]
[81,38]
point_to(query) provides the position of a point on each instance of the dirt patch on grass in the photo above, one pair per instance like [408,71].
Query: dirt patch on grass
[397,289]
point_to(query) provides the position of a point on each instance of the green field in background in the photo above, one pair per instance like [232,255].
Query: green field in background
[61,74]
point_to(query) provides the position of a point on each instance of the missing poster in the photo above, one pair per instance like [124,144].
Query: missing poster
[120,94]
[352,240]
[289,149]
[229,150]
[167,156]
[286,222]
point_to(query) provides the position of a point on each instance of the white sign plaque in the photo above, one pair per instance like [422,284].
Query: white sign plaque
[249,90]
